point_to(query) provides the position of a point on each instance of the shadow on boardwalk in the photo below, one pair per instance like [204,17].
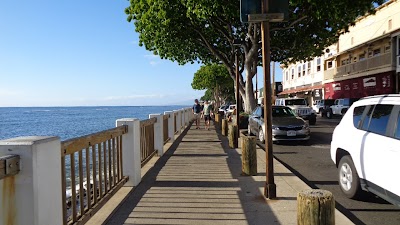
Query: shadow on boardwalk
[198,181]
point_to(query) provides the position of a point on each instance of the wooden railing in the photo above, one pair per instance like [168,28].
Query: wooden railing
[165,128]
[375,62]
[91,169]
[147,150]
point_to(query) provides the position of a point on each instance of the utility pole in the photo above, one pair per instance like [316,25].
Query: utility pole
[270,187]
[277,11]
[237,98]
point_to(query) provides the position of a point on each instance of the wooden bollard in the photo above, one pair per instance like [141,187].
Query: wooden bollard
[315,206]
[232,135]
[249,156]
[217,119]
[224,127]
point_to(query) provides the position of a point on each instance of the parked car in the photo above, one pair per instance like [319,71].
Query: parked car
[324,105]
[230,109]
[366,148]
[286,125]
[340,107]
[222,109]
[315,106]
[300,107]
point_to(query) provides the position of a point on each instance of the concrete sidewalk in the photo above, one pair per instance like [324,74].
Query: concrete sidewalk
[198,181]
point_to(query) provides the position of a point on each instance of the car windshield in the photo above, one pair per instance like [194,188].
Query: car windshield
[282,112]
[295,102]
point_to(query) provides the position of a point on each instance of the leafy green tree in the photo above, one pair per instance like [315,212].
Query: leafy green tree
[215,78]
[208,95]
[204,31]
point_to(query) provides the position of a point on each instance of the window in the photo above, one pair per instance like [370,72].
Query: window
[390,24]
[330,64]
[304,69]
[309,68]
[292,73]
[378,119]
[299,71]
[344,62]
[319,63]
[377,52]
[361,57]
[387,48]
[357,114]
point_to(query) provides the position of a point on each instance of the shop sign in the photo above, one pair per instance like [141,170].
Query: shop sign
[369,82]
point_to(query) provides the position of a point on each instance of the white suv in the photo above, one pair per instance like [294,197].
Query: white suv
[366,148]
[300,107]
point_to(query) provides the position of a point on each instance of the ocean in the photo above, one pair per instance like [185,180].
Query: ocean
[69,122]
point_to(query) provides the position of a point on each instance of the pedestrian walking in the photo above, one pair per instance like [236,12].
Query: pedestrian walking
[196,109]
[207,113]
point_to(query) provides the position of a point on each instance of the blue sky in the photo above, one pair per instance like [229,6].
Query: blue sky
[83,53]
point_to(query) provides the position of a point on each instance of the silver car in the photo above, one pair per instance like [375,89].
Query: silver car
[285,125]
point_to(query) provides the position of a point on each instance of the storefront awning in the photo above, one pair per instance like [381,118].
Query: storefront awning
[303,89]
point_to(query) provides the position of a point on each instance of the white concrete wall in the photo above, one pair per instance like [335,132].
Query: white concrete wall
[131,161]
[158,133]
[33,195]
[372,26]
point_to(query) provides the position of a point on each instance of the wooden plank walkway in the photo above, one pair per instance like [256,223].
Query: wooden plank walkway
[198,181]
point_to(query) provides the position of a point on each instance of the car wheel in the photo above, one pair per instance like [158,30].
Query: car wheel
[349,181]
[329,114]
[261,135]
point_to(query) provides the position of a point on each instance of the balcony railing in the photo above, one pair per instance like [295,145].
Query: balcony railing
[375,62]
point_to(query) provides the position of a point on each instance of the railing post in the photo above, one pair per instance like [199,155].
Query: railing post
[185,117]
[178,121]
[131,162]
[190,115]
[171,134]
[25,196]
[158,133]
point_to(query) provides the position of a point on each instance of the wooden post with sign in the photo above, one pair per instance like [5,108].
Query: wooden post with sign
[272,11]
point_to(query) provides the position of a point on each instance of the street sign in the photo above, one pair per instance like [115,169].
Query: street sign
[271,17]
[248,7]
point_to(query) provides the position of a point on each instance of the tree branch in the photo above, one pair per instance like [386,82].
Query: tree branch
[290,25]
[218,54]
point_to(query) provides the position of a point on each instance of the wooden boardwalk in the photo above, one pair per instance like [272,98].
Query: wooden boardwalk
[198,181]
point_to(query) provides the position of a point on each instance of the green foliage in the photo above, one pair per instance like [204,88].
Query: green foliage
[203,30]
[216,79]
[209,76]
[208,95]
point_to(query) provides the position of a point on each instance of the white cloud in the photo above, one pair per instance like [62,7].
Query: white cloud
[154,59]
[154,63]
[130,97]
[151,56]
[9,93]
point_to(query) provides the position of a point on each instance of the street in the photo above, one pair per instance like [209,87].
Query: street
[312,163]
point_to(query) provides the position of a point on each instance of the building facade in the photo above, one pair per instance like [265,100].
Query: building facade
[364,62]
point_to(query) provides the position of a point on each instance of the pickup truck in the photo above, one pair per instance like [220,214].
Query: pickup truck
[340,107]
